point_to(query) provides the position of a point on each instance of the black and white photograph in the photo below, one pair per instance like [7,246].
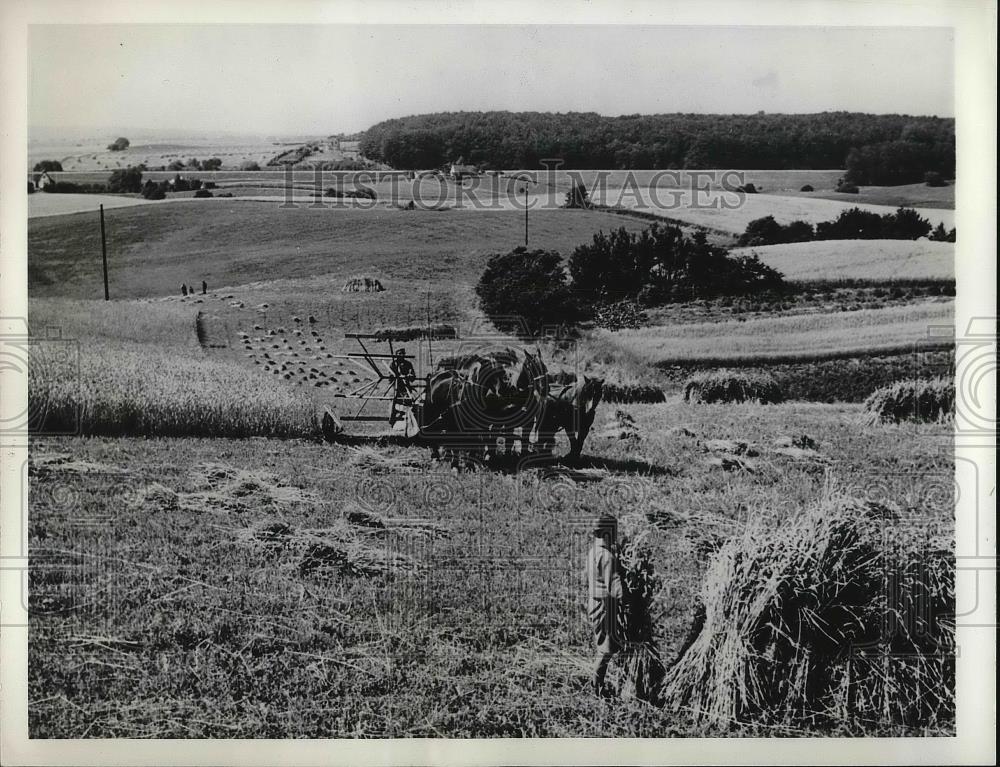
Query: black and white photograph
[421,378]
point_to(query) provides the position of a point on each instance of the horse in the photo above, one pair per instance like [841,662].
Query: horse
[572,408]
[480,399]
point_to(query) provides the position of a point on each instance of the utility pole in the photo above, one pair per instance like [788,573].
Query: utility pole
[525,215]
[104,257]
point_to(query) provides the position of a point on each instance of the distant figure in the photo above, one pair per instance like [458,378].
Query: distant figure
[605,592]
[204,287]
[184,289]
[403,375]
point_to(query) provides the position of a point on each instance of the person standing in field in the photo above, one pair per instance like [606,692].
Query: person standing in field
[204,287]
[403,375]
[605,592]
[184,289]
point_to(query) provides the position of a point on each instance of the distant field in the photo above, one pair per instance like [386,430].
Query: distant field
[907,195]
[803,336]
[860,259]
[729,212]
[153,249]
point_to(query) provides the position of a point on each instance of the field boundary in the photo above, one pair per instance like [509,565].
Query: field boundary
[789,358]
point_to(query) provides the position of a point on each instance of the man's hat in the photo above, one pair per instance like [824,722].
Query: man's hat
[605,523]
[400,351]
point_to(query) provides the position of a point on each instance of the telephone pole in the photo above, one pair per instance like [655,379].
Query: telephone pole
[525,215]
[104,257]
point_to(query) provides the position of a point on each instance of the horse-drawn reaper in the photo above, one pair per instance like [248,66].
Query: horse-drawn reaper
[482,404]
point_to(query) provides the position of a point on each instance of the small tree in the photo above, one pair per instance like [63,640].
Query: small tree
[249,165]
[578,196]
[120,144]
[47,166]
[213,163]
[523,291]
[126,179]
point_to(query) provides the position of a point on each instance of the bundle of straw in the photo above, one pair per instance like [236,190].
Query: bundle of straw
[642,667]
[838,619]
[930,400]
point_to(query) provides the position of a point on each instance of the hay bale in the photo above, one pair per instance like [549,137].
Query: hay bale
[363,285]
[731,386]
[837,619]
[930,400]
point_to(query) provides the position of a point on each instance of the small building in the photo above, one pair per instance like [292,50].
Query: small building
[43,180]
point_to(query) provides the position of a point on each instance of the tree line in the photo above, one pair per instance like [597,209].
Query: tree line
[873,148]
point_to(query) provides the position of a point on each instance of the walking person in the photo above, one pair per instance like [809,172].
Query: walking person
[605,592]
[204,287]
[184,289]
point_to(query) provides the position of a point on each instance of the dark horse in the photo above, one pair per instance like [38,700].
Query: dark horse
[481,399]
[572,408]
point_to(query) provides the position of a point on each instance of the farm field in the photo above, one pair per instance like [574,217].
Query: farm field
[727,212]
[239,592]
[795,337]
[905,194]
[831,260]
[236,577]
[153,249]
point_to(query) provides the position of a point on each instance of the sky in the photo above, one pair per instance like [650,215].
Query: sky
[320,80]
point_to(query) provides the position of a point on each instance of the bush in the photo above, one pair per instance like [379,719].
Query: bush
[845,187]
[729,386]
[47,166]
[662,264]
[208,185]
[31,187]
[933,178]
[807,188]
[202,193]
[525,290]
[767,231]
[926,400]
[213,163]
[120,145]
[126,179]
[577,197]
[857,224]
[248,165]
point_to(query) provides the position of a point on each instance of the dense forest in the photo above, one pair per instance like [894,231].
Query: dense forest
[858,142]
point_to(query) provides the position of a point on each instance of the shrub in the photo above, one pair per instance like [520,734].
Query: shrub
[126,179]
[577,197]
[857,224]
[119,145]
[47,166]
[933,178]
[213,163]
[767,231]
[847,188]
[248,165]
[922,400]
[663,264]
[841,617]
[31,187]
[200,193]
[525,290]
[730,386]
[208,185]
[807,188]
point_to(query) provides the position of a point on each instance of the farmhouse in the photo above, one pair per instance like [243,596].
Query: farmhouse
[43,180]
